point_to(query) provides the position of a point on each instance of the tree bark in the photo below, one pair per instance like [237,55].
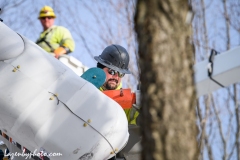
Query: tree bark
[168,119]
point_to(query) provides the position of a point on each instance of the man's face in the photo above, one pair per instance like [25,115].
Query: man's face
[47,22]
[112,81]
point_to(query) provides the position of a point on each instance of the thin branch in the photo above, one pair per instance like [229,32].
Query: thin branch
[224,157]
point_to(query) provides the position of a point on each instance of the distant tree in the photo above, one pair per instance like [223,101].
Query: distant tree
[168,117]
[216,26]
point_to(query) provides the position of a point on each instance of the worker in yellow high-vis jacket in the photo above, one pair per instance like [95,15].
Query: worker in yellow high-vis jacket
[54,39]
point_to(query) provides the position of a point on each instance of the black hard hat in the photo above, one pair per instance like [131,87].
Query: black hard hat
[115,57]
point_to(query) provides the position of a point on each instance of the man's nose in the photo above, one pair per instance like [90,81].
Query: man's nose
[115,75]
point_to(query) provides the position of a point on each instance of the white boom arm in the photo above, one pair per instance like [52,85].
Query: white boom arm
[226,71]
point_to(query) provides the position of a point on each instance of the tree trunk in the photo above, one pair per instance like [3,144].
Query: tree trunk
[168,117]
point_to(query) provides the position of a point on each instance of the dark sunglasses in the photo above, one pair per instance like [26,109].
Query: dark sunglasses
[113,72]
[46,18]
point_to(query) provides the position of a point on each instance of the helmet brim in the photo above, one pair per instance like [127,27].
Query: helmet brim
[41,16]
[109,65]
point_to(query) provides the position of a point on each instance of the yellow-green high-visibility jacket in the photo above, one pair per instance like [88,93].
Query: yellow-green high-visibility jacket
[131,113]
[54,37]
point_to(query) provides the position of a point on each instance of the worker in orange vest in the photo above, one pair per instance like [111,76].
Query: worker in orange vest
[114,61]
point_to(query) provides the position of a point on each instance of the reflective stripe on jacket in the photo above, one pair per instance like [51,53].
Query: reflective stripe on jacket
[55,37]
[131,113]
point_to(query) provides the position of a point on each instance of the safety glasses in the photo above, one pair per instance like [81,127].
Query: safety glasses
[113,72]
[46,18]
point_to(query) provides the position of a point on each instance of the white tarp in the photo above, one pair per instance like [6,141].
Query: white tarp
[45,104]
